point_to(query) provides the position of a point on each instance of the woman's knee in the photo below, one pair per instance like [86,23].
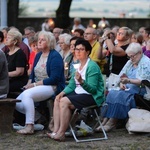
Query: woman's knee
[64,102]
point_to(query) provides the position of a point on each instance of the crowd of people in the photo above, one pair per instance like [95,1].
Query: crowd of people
[69,66]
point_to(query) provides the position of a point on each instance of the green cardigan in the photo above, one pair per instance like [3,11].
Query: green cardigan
[93,83]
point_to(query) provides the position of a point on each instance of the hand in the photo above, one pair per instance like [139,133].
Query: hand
[78,77]
[122,86]
[102,40]
[28,86]
[59,96]
[124,80]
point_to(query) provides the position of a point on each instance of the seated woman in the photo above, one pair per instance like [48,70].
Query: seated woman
[46,79]
[85,88]
[4,79]
[17,62]
[70,61]
[120,102]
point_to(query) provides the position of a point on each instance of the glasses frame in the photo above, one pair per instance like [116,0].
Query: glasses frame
[79,50]
[132,56]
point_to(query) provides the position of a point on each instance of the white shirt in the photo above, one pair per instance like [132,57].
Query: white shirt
[79,89]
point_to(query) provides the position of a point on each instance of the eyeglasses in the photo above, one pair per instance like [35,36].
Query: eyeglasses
[87,33]
[132,56]
[27,34]
[79,50]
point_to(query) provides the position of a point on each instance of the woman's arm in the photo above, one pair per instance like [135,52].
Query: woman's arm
[116,50]
[130,81]
[18,72]
[102,52]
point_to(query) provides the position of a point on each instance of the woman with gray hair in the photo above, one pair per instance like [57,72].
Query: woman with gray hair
[64,42]
[17,62]
[46,79]
[120,102]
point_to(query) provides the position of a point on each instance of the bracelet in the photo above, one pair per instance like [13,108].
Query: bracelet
[34,84]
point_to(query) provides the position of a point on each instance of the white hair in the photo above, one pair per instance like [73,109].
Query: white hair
[66,38]
[134,48]
[50,39]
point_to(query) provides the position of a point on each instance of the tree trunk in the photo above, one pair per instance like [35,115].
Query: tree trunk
[62,14]
[13,11]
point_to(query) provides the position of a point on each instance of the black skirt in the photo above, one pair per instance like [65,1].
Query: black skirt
[81,100]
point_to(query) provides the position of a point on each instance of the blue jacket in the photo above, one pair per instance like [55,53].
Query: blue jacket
[55,70]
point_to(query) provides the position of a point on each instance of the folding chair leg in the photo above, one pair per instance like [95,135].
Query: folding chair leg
[93,139]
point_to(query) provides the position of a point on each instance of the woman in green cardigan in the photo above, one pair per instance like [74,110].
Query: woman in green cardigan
[85,88]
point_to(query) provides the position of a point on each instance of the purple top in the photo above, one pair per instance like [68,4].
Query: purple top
[146,52]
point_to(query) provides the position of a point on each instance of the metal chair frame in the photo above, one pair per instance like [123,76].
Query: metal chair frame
[99,122]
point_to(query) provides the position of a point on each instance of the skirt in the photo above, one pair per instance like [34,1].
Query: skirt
[81,100]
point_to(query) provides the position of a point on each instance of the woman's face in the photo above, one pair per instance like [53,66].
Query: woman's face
[72,46]
[121,35]
[81,53]
[63,45]
[134,57]
[34,46]
[42,43]
[133,38]
[9,40]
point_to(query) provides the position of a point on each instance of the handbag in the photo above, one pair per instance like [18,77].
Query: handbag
[139,121]
[113,82]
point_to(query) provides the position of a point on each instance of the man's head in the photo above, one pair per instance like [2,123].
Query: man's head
[57,32]
[29,31]
[77,21]
[90,34]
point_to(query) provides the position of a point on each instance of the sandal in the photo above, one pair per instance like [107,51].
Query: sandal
[51,135]
[26,131]
[59,138]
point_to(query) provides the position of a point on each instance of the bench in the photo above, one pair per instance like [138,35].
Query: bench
[7,107]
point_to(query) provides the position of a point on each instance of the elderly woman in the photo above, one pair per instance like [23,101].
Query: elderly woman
[64,42]
[85,88]
[17,62]
[46,79]
[120,102]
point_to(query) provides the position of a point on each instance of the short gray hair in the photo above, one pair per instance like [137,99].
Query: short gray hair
[66,38]
[50,39]
[134,48]
[16,35]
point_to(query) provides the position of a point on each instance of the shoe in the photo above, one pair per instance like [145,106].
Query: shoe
[59,138]
[51,135]
[26,131]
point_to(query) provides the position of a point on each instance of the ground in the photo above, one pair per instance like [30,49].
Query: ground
[119,139]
